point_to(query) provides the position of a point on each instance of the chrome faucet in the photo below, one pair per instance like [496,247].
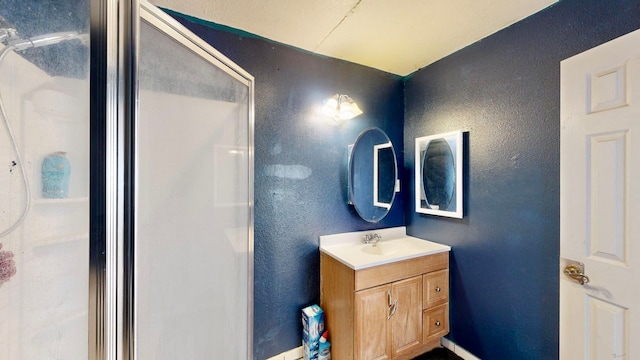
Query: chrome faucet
[370,239]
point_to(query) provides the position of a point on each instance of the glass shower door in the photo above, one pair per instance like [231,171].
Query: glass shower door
[193,218]
[44,180]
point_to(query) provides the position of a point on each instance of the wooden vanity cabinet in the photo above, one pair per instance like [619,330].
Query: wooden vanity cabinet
[391,311]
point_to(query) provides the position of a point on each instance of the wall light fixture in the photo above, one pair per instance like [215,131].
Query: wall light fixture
[341,107]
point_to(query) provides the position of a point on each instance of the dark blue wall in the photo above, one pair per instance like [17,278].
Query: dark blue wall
[290,214]
[505,92]
[38,17]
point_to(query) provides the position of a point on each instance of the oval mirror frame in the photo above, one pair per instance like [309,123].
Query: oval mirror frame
[438,174]
[373,174]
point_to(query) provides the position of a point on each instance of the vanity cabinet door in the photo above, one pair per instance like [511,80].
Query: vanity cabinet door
[372,330]
[406,322]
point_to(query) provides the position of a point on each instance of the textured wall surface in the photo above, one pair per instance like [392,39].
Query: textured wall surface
[35,17]
[300,169]
[505,92]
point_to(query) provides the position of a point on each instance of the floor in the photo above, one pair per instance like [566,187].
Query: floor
[435,354]
[439,354]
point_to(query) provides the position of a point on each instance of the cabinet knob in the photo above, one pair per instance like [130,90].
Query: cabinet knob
[438,289]
[437,323]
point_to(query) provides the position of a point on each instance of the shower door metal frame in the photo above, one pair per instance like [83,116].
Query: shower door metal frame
[113,51]
[114,93]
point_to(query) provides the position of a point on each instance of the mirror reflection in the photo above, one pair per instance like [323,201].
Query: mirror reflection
[439,174]
[384,175]
[373,175]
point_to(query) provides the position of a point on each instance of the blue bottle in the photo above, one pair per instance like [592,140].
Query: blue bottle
[55,176]
[324,350]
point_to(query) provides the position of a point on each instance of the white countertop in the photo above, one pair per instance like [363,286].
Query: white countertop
[394,246]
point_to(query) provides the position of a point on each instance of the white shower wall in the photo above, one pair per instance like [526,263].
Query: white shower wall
[43,307]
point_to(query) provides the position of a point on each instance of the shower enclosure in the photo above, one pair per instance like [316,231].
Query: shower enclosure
[144,249]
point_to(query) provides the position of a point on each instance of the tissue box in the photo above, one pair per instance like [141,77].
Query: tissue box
[312,329]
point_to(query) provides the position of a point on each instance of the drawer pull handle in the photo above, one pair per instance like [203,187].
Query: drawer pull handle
[438,289]
[437,323]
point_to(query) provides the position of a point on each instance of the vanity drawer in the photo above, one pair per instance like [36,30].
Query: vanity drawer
[435,322]
[387,273]
[435,288]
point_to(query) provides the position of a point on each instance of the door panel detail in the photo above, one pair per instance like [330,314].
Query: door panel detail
[608,89]
[606,324]
[607,218]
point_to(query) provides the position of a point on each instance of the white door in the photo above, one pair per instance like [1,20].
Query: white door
[600,202]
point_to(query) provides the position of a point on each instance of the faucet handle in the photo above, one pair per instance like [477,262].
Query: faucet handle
[369,238]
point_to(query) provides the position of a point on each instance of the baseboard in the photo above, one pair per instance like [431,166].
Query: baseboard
[293,354]
[458,350]
[296,354]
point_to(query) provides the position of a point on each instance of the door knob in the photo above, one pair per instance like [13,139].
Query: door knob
[576,274]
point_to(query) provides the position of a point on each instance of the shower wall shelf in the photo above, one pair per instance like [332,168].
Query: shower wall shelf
[54,117]
[51,241]
[71,200]
[55,103]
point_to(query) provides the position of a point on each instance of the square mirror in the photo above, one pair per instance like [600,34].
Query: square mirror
[438,174]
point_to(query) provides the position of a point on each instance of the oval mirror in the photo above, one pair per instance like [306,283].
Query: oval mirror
[438,174]
[373,172]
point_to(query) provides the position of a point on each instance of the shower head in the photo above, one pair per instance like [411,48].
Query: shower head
[47,39]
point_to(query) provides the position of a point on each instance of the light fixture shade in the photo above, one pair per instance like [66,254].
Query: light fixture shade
[341,107]
[330,107]
[349,110]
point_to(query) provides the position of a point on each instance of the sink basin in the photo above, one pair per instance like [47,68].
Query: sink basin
[383,248]
[351,252]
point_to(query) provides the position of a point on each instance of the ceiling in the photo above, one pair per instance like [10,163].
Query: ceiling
[396,36]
